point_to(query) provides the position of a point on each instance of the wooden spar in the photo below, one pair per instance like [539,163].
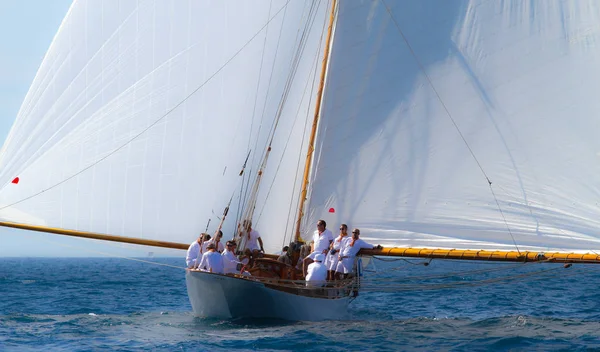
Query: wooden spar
[500,256]
[313,132]
[96,236]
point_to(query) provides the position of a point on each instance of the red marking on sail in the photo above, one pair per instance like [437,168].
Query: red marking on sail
[331,210]
[16,180]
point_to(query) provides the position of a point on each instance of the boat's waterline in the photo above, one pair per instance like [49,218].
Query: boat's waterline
[219,296]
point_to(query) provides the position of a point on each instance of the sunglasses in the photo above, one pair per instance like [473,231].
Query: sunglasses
[355,232]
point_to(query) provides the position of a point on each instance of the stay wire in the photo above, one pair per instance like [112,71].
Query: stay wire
[422,68]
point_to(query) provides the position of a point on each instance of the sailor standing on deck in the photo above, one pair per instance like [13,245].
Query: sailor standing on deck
[193,254]
[331,261]
[219,247]
[316,272]
[212,261]
[350,247]
[252,243]
[322,239]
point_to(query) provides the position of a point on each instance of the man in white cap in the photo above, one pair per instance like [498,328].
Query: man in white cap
[317,272]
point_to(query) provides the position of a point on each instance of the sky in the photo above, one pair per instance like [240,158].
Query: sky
[27,28]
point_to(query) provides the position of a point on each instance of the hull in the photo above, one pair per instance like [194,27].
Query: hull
[219,296]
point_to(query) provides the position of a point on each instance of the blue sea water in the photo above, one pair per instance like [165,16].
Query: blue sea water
[123,305]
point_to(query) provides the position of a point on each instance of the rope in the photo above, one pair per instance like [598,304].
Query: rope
[422,68]
[315,62]
[462,273]
[403,287]
[251,205]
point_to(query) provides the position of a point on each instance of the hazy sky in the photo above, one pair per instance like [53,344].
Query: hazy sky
[26,31]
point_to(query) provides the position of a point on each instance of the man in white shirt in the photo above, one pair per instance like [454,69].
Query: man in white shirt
[219,247]
[317,272]
[212,261]
[193,253]
[230,261]
[322,239]
[253,241]
[331,259]
[349,249]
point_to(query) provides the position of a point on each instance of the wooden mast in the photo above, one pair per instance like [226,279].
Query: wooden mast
[313,132]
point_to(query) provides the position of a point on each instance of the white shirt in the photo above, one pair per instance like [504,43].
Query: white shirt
[192,253]
[252,243]
[205,244]
[322,240]
[348,251]
[230,262]
[316,271]
[338,244]
[212,261]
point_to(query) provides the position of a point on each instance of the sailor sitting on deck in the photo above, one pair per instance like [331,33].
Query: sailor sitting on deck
[316,272]
[285,257]
[348,251]
[230,261]
[322,238]
[305,250]
[212,261]
[193,253]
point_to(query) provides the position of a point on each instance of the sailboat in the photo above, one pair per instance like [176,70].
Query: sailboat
[442,129]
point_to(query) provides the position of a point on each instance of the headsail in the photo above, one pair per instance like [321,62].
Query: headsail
[137,122]
[427,102]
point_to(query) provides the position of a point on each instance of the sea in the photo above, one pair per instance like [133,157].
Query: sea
[120,304]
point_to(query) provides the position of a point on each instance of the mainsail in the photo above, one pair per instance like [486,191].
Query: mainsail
[143,112]
[465,124]
[462,124]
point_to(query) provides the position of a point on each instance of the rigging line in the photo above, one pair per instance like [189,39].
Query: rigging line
[295,64]
[454,274]
[292,73]
[504,218]
[262,58]
[529,207]
[315,61]
[159,119]
[271,78]
[238,212]
[459,284]
[422,68]
[251,205]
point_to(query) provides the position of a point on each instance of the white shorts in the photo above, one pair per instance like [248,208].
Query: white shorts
[331,261]
[345,266]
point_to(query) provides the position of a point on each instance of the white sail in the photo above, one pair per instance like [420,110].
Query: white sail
[498,90]
[143,112]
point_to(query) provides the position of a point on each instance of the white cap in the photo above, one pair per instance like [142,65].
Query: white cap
[319,257]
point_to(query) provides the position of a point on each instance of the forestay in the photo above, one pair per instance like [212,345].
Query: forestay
[142,113]
[488,90]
